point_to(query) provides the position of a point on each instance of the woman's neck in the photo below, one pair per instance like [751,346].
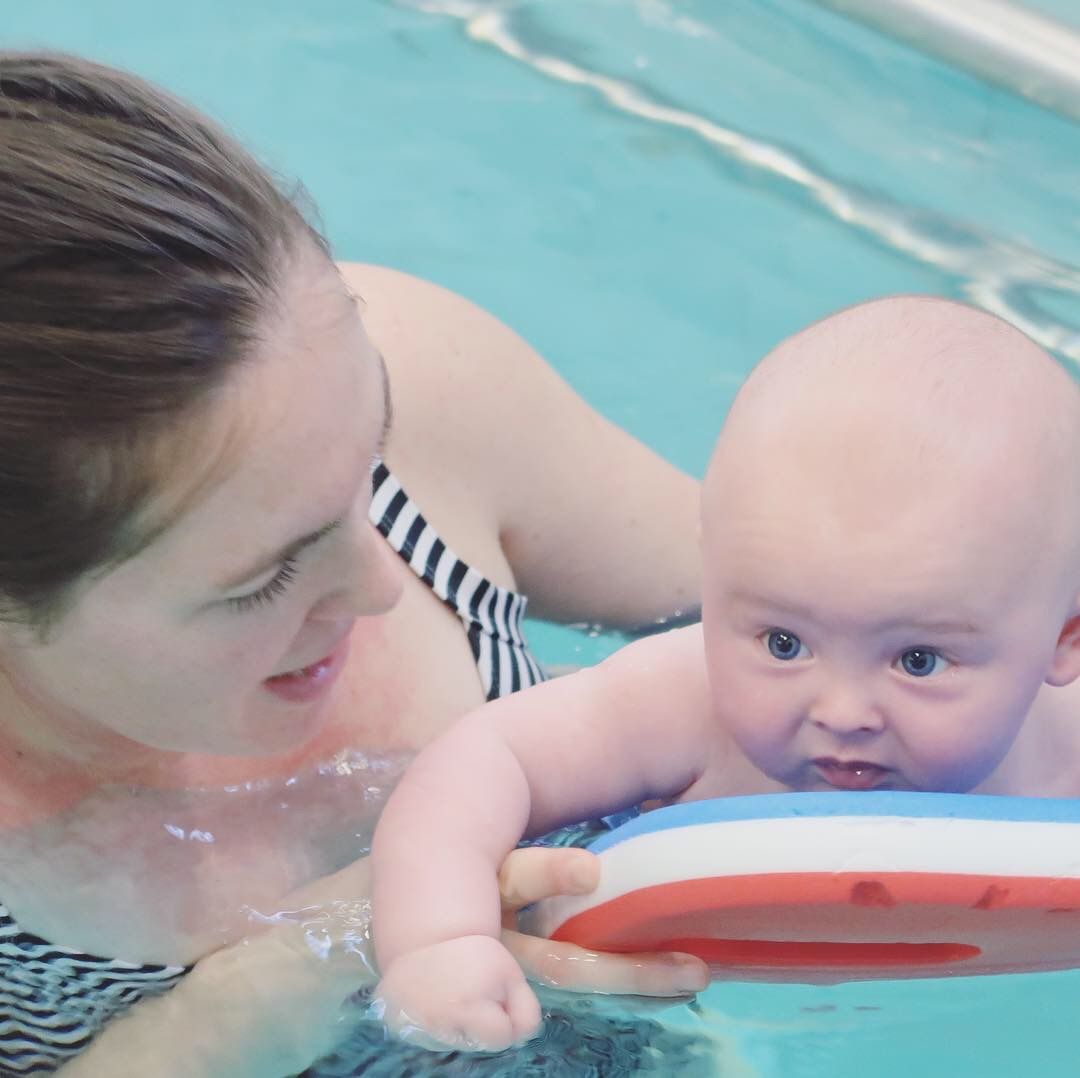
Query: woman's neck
[49,761]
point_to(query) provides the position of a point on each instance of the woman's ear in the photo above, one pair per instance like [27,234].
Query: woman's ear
[1065,665]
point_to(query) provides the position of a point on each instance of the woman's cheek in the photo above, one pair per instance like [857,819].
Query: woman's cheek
[256,649]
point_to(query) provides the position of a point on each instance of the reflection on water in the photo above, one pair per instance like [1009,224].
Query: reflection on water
[1002,273]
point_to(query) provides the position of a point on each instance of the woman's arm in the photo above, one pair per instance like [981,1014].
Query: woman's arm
[271,1004]
[264,1007]
[594,526]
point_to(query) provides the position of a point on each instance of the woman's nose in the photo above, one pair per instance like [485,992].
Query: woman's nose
[370,581]
[844,710]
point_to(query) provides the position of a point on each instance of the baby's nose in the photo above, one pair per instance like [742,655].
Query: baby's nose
[843,710]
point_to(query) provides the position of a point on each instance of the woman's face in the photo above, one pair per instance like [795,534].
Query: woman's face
[227,633]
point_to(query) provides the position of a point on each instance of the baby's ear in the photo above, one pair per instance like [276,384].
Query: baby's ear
[1065,665]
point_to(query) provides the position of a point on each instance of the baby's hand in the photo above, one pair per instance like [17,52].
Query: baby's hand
[466,994]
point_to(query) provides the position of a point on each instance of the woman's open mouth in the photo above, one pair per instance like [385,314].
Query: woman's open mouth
[851,774]
[308,683]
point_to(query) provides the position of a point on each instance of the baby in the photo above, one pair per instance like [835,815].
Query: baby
[891,542]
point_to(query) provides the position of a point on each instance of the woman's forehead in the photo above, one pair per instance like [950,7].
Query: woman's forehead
[280,441]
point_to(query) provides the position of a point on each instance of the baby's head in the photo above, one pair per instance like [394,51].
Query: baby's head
[891,537]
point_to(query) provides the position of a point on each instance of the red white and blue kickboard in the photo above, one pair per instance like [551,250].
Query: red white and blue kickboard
[822,888]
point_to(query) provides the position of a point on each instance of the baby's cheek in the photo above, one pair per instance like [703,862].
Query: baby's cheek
[757,720]
[964,753]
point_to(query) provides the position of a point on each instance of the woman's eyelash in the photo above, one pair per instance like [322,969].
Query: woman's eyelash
[269,591]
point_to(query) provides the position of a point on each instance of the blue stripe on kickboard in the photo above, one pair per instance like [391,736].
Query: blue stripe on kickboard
[885,803]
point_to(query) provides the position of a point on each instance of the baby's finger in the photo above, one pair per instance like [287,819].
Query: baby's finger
[537,872]
[565,966]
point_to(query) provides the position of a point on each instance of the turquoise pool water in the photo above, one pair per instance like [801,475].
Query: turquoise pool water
[654,193]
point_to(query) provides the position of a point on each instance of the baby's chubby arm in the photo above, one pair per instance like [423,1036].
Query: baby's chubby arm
[636,726]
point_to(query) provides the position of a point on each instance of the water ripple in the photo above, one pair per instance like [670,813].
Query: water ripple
[1002,275]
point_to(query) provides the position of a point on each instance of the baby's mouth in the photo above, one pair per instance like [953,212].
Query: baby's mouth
[851,774]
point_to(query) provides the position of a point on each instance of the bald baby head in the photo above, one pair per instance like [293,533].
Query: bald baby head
[926,349]
[909,410]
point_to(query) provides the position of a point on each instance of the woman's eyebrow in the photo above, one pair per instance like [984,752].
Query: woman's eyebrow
[291,550]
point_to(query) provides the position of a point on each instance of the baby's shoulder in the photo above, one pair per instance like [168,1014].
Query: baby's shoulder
[673,654]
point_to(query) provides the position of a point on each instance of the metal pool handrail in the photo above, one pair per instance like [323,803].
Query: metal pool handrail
[1004,43]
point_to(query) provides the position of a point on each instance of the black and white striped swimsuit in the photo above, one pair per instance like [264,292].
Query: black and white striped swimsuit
[491,615]
[53,1000]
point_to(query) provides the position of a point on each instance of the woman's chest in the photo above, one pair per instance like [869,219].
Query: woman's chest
[154,876]
[165,875]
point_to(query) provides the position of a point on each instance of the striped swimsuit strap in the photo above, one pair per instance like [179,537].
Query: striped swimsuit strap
[491,615]
[53,1000]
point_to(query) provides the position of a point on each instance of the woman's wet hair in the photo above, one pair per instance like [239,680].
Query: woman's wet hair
[141,250]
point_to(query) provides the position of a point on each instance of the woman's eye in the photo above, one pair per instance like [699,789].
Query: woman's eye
[784,645]
[922,662]
[269,591]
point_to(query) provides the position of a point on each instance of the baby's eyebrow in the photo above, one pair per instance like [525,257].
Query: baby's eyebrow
[945,628]
[772,604]
[741,597]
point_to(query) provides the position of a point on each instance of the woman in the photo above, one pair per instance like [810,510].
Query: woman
[226,623]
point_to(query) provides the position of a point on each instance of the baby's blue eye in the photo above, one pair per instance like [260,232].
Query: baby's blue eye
[922,662]
[784,645]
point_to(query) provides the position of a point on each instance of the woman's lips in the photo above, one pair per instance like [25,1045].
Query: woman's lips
[303,686]
[851,774]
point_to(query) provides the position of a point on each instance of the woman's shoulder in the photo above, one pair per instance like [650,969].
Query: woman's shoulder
[437,342]
[507,459]
[472,398]
[434,344]
[473,404]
